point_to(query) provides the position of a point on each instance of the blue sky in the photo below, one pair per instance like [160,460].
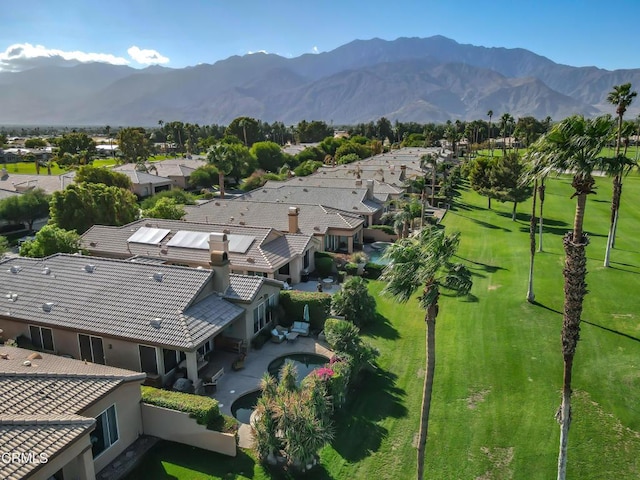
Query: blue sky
[188,32]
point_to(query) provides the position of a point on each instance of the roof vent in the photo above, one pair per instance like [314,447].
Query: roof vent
[15,268]
[158,276]
[353,191]
[217,204]
[317,229]
[251,260]
[305,190]
[227,231]
[242,222]
[47,307]
[164,250]
[90,268]
[156,322]
[26,363]
[93,244]
[12,297]
[46,271]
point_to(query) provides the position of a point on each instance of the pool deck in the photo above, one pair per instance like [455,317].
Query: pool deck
[235,384]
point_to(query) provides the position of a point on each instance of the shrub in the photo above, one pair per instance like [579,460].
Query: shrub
[355,302]
[204,409]
[385,228]
[293,302]
[373,271]
[341,275]
[344,338]
[351,268]
[324,266]
[317,255]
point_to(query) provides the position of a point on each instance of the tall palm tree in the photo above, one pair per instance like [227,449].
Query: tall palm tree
[541,189]
[532,243]
[574,145]
[219,157]
[621,96]
[505,121]
[490,115]
[424,261]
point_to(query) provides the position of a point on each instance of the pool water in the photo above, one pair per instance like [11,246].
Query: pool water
[375,256]
[305,363]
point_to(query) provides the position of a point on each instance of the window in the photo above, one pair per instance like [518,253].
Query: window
[170,359]
[41,337]
[284,270]
[205,348]
[106,431]
[306,259]
[259,318]
[148,360]
[91,349]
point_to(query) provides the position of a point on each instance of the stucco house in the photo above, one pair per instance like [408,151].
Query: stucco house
[62,418]
[260,251]
[144,317]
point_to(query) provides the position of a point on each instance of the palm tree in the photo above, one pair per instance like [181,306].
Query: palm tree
[621,96]
[574,145]
[432,161]
[541,189]
[219,157]
[490,114]
[424,261]
[505,120]
[532,243]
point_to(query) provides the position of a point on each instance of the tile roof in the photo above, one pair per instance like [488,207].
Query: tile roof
[138,177]
[321,179]
[246,287]
[115,299]
[352,200]
[312,219]
[16,182]
[269,251]
[173,167]
[42,436]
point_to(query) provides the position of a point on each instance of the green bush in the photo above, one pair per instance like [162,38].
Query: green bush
[373,271]
[293,302]
[354,302]
[324,266]
[351,268]
[341,275]
[344,338]
[204,409]
[385,228]
[317,255]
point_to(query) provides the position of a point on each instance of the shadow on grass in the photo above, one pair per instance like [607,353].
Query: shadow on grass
[358,434]
[560,231]
[484,224]
[538,304]
[630,337]
[624,269]
[175,456]
[381,327]
[483,266]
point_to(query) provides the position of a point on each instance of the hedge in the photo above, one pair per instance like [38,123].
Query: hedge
[385,228]
[204,409]
[324,266]
[372,271]
[351,268]
[293,302]
[317,255]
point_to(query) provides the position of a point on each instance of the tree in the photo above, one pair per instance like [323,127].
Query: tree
[247,129]
[204,176]
[80,206]
[28,207]
[4,245]
[575,145]
[220,157]
[506,180]
[490,115]
[35,143]
[532,243]
[431,160]
[75,143]
[424,261]
[505,121]
[134,144]
[269,155]
[315,131]
[480,177]
[50,240]
[91,174]
[243,162]
[165,208]
[621,96]
[355,302]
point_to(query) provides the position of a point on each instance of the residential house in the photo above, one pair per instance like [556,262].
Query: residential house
[157,319]
[144,184]
[179,170]
[62,418]
[261,251]
[333,229]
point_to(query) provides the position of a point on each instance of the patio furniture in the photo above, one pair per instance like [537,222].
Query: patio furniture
[291,336]
[183,385]
[301,328]
[277,336]
[238,363]
[230,344]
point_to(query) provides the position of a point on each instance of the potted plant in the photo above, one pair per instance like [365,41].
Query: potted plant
[360,259]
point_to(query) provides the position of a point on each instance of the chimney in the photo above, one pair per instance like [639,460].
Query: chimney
[369,189]
[293,219]
[219,252]
[403,172]
[358,182]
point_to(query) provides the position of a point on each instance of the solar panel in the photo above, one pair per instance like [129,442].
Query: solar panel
[149,236]
[187,239]
[240,243]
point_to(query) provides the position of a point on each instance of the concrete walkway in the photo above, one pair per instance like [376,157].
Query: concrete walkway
[232,384]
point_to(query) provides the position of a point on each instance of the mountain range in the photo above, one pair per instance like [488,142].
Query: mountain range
[409,79]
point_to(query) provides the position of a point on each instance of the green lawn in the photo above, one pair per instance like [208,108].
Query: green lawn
[499,369]
[29,168]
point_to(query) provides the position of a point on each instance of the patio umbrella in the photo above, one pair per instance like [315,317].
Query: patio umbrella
[305,314]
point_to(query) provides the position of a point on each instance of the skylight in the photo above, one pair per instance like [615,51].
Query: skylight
[200,241]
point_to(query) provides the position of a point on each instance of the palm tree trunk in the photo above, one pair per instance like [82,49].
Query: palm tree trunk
[615,221]
[489,202]
[615,203]
[430,318]
[575,289]
[221,181]
[541,190]
[532,243]
[433,185]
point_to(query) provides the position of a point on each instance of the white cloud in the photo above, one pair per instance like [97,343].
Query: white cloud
[257,51]
[23,56]
[314,49]
[146,57]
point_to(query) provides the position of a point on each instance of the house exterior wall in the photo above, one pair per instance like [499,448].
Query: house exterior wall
[70,461]
[244,329]
[127,400]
